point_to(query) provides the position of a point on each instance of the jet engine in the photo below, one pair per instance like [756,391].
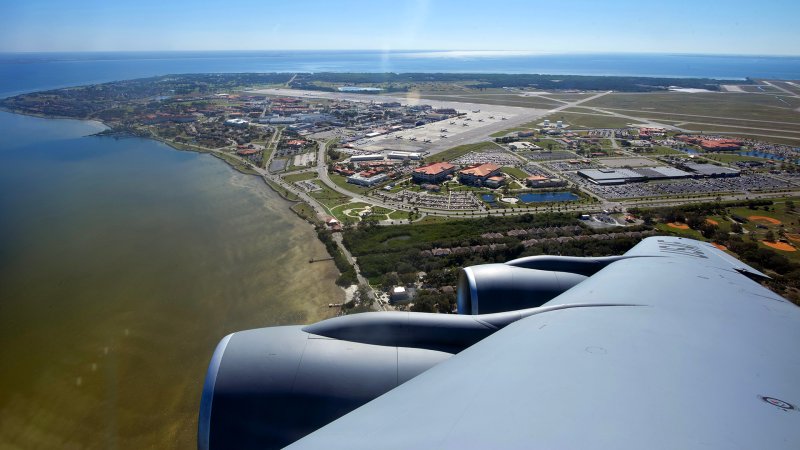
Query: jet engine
[522,283]
[268,387]
[490,288]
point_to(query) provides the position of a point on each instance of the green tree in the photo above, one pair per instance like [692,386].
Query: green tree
[389,280]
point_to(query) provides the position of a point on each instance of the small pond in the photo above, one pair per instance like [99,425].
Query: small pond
[539,197]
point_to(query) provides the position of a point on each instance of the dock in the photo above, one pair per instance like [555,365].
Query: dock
[313,260]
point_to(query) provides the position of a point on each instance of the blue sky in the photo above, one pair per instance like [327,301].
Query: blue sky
[724,27]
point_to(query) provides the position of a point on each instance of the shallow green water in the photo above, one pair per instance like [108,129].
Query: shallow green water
[122,263]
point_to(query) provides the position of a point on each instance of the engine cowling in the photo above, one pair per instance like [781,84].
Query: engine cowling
[268,387]
[491,288]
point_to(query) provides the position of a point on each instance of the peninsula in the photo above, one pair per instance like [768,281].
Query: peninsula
[409,176]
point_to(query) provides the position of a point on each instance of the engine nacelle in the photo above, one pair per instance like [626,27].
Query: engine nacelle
[491,288]
[268,387]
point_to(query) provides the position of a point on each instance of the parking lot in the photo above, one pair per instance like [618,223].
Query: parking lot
[451,200]
[499,157]
[627,162]
[742,184]
[548,156]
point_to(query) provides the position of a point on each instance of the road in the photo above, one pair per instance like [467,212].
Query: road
[476,134]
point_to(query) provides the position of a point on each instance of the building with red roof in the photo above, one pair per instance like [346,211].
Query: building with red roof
[495,181]
[433,173]
[720,144]
[478,174]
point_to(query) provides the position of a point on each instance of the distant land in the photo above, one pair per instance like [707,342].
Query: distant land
[117,226]
[27,72]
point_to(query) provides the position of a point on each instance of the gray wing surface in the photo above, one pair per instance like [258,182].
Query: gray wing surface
[706,359]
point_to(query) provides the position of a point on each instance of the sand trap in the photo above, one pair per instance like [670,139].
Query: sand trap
[780,246]
[765,219]
[712,221]
[719,246]
[680,226]
[793,237]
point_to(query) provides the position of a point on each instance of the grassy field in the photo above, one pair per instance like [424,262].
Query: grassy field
[496,99]
[427,220]
[545,143]
[658,150]
[456,152]
[305,211]
[327,196]
[348,213]
[291,178]
[757,229]
[793,136]
[689,233]
[735,106]
[282,192]
[397,215]
[787,86]
[729,158]
[236,163]
[510,130]
[577,120]
[515,172]
[570,97]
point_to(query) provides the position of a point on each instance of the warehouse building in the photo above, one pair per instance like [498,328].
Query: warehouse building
[622,176]
[404,155]
[538,181]
[368,157]
[711,170]
[611,176]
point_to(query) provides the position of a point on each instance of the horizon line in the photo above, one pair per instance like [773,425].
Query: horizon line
[465,53]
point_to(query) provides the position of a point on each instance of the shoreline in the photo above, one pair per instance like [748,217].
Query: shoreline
[242,167]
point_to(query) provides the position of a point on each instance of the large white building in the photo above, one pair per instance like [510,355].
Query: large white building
[238,123]
[363,180]
[368,157]
[404,155]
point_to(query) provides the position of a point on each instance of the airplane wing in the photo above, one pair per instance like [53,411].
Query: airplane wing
[682,351]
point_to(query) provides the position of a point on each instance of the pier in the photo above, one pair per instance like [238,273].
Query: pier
[313,260]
